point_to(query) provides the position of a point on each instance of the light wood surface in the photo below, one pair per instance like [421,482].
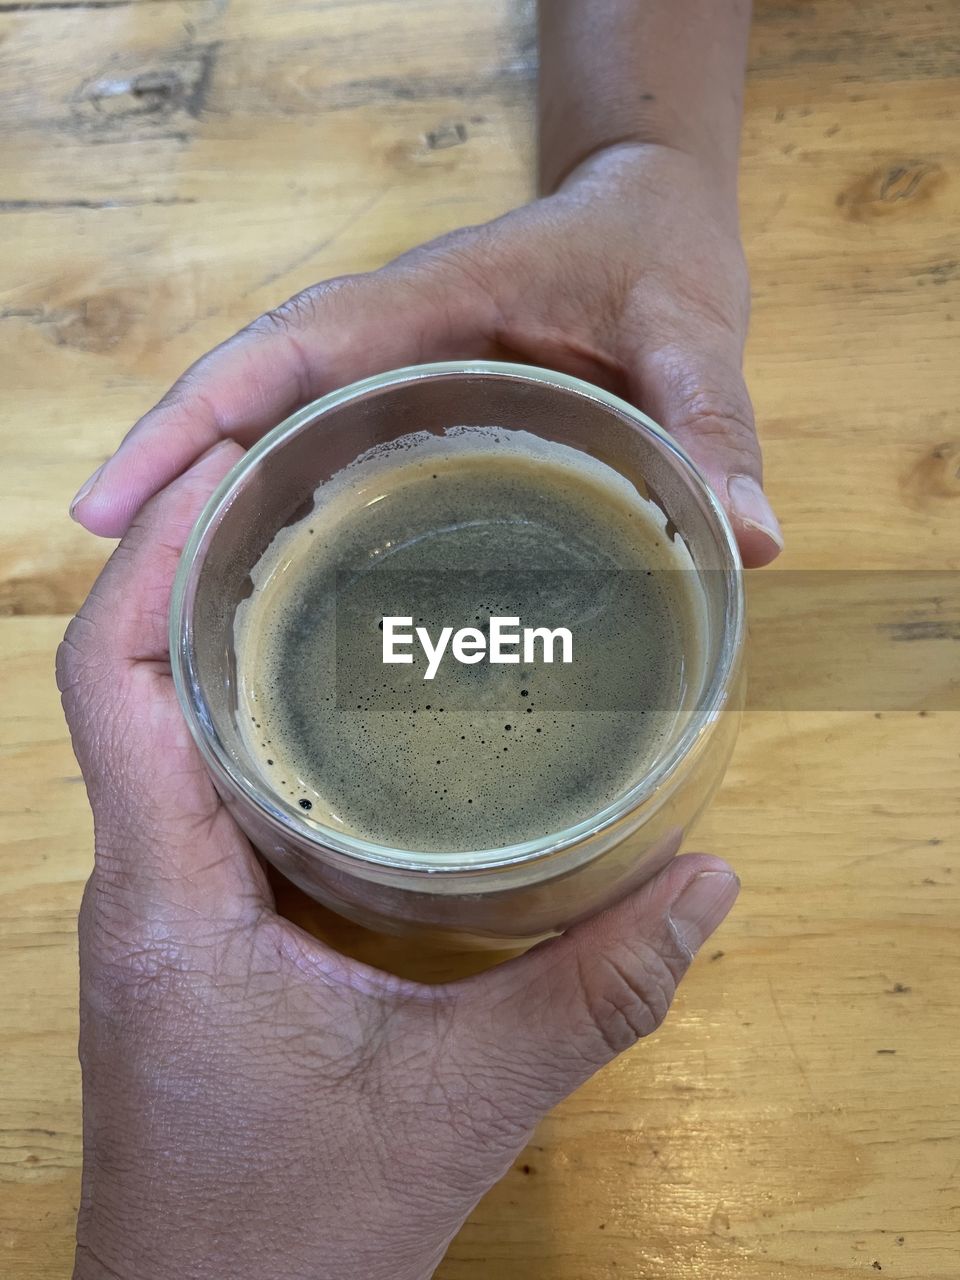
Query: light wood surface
[169,169]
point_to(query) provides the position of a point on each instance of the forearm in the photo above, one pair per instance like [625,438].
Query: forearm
[659,71]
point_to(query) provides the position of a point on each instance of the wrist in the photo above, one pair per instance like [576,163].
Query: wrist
[660,74]
[373,1262]
[631,172]
[719,163]
[303,1231]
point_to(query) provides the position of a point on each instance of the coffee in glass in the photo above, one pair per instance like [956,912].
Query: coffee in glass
[459,507]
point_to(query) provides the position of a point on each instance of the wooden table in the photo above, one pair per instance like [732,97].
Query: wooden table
[167,170]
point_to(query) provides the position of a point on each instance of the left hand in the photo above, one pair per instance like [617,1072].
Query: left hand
[631,275]
[257,1106]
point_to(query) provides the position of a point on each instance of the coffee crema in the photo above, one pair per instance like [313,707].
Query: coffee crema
[453,531]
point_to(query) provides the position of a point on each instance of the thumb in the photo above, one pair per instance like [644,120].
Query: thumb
[544,1023]
[699,397]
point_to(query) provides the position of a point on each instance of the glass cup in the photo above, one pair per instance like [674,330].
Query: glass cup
[497,898]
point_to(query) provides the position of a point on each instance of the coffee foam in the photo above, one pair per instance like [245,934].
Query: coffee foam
[485,757]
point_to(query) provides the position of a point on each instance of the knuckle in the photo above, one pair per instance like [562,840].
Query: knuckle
[70,656]
[461,245]
[718,411]
[628,995]
[290,323]
[133,966]
[87,654]
[714,413]
[682,309]
[125,974]
[187,399]
[304,309]
[137,986]
[79,661]
[728,429]
[457,265]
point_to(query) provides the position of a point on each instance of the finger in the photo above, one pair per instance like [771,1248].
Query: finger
[326,337]
[696,391]
[544,1023]
[163,838]
[128,607]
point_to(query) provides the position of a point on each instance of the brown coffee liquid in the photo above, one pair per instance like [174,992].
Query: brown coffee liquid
[452,532]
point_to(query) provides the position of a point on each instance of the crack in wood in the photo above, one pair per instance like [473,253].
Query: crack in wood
[26,206]
[67,4]
[379,89]
[55,6]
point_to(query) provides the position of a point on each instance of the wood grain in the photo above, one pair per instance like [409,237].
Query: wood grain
[169,169]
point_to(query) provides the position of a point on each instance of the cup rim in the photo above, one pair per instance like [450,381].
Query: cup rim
[326,840]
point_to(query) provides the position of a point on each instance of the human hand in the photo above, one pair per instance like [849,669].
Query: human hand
[256,1105]
[631,275]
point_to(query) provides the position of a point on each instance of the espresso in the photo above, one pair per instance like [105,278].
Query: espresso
[463,534]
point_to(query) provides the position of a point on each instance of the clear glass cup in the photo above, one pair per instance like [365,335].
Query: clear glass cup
[494,898]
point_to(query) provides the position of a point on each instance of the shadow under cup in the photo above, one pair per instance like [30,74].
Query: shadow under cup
[495,897]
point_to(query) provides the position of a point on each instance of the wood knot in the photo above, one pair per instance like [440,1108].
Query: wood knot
[891,190]
[96,324]
[40,582]
[719,1221]
[939,273]
[936,475]
[146,93]
[446,135]
[148,98]
[409,155]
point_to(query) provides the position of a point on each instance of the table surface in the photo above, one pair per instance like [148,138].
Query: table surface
[169,169]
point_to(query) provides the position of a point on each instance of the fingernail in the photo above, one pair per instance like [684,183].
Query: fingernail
[702,905]
[222,446]
[750,504]
[85,490]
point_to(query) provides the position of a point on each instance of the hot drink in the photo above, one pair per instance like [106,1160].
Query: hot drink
[387,686]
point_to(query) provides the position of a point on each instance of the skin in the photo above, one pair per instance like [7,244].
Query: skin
[628,271]
[256,1105]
